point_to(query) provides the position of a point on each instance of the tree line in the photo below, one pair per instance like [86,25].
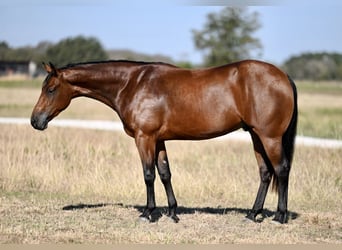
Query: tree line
[315,66]
[69,50]
[227,36]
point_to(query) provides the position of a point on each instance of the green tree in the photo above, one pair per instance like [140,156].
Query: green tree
[227,36]
[4,50]
[7,53]
[315,66]
[74,50]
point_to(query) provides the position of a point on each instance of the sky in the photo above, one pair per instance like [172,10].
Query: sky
[164,27]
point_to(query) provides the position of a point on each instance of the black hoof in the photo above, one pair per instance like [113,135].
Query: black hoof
[248,220]
[250,217]
[172,214]
[280,217]
[174,218]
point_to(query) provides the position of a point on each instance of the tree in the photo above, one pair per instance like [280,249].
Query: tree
[315,66]
[4,50]
[227,36]
[74,50]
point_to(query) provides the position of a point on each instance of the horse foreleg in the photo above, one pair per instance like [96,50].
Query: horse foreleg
[146,147]
[265,178]
[165,177]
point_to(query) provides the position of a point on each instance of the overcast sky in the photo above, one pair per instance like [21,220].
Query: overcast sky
[164,27]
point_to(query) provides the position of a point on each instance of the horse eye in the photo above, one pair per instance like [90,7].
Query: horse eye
[51,90]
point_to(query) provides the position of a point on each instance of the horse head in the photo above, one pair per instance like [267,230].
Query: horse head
[55,96]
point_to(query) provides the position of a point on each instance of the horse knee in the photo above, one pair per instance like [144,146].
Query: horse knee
[149,176]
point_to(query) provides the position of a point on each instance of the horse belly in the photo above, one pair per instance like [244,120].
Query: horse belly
[204,119]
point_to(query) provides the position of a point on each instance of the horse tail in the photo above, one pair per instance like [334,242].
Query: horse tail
[288,140]
[290,134]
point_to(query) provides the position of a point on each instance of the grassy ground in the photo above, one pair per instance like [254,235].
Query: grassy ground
[86,186]
[54,190]
[320,109]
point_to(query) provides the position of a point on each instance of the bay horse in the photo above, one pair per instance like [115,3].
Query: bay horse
[157,102]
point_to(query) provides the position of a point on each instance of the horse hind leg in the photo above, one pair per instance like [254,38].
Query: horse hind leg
[266,173]
[281,165]
[282,172]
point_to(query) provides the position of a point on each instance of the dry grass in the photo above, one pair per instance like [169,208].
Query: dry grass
[46,222]
[215,183]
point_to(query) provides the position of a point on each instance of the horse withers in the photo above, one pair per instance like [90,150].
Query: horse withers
[157,102]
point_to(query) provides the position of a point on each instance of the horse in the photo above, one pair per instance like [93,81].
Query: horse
[157,102]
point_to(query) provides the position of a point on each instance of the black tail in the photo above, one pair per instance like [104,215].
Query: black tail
[290,134]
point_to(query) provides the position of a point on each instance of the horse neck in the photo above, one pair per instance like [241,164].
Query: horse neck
[102,84]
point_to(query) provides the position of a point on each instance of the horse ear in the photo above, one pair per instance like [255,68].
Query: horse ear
[50,68]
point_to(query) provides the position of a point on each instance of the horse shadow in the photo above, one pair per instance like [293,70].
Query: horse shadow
[160,211]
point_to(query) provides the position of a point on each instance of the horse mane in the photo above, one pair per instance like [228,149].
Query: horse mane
[71,65]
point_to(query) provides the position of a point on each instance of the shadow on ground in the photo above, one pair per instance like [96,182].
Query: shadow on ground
[160,211]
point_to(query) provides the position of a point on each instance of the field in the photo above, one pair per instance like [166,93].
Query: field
[85,186]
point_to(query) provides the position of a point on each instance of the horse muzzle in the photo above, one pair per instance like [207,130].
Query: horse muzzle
[40,121]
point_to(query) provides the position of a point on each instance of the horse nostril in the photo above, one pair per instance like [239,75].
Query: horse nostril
[34,122]
[39,122]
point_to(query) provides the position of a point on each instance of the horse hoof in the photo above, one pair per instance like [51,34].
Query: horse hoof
[278,222]
[247,220]
[174,218]
[275,222]
[280,218]
[250,217]
[144,219]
